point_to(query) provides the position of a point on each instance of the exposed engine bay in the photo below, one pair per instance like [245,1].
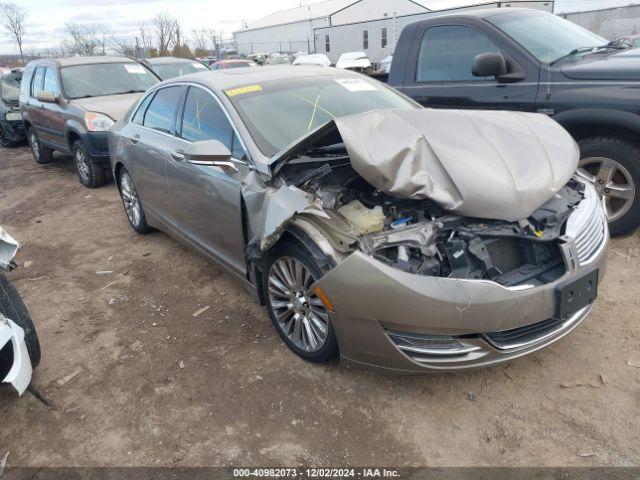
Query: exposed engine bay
[420,237]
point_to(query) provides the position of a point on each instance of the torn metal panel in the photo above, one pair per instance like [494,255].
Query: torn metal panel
[484,164]
[269,209]
[8,248]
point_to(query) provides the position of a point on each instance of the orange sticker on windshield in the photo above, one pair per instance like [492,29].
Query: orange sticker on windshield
[242,90]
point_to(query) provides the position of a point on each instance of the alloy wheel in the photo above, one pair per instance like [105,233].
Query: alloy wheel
[82,164]
[612,181]
[300,314]
[130,199]
[35,148]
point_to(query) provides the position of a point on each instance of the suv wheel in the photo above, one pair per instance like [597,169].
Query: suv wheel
[90,173]
[41,154]
[131,202]
[300,317]
[613,166]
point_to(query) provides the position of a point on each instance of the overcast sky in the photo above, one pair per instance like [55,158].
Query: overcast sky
[120,18]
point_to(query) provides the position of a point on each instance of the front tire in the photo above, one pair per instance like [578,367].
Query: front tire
[12,307]
[613,166]
[90,172]
[299,316]
[131,202]
[41,154]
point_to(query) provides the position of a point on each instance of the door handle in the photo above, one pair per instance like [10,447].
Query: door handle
[135,139]
[227,167]
[177,155]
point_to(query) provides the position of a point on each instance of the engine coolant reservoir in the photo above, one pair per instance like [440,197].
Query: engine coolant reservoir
[366,220]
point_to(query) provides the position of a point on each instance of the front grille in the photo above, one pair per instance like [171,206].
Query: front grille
[590,236]
[522,335]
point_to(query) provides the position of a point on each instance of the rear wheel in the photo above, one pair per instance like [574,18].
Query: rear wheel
[131,202]
[613,166]
[5,141]
[13,308]
[90,172]
[41,154]
[300,317]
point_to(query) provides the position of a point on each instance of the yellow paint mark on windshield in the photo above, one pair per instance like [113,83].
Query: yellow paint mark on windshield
[243,90]
[313,114]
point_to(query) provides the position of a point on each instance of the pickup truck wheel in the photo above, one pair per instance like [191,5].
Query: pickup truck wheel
[300,317]
[131,202]
[42,155]
[12,307]
[613,166]
[90,173]
[5,141]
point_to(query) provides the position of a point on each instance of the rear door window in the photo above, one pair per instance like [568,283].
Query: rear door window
[447,52]
[161,113]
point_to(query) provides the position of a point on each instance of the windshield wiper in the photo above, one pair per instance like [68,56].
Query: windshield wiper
[577,51]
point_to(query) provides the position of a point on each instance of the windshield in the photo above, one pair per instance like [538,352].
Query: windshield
[547,37]
[11,87]
[171,70]
[278,112]
[93,80]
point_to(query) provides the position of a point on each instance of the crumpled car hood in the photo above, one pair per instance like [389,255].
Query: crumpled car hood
[485,164]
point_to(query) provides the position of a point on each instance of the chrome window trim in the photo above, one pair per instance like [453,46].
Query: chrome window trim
[210,92]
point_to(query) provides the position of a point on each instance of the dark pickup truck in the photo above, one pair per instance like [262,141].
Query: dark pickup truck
[528,60]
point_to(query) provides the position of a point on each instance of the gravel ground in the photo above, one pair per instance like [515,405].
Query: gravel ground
[133,378]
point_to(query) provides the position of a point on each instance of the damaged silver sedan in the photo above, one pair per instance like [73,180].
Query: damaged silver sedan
[395,236]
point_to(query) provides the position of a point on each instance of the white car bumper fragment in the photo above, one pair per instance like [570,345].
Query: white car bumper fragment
[20,373]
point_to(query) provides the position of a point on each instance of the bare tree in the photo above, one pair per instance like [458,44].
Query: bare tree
[123,46]
[13,20]
[200,42]
[84,39]
[165,31]
[214,38]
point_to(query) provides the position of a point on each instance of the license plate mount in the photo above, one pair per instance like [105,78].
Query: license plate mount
[575,295]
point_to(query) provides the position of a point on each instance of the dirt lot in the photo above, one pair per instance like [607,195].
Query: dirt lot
[135,379]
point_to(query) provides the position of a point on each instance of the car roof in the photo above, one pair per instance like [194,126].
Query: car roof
[219,80]
[235,60]
[480,12]
[165,60]
[72,61]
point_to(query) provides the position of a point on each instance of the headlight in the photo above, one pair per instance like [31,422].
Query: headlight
[13,116]
[97,122]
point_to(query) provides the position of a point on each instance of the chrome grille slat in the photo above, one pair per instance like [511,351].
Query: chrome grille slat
[587,225]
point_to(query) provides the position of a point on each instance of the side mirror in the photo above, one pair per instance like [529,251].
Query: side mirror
[210,152]
[47,96]
[489,64]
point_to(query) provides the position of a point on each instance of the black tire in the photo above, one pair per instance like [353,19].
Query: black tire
[41,154]
[129,196]
[290,248]
[627,155]
[5,141]
[12,307]
[90,173]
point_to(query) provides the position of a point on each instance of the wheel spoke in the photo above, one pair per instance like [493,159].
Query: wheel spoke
[586,175]
[624,192]
[284,291]
[605,173]
[310,334]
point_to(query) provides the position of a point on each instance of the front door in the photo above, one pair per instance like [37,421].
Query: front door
[206,199]
[442,77]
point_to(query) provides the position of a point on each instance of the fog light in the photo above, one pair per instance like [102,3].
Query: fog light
[440,345]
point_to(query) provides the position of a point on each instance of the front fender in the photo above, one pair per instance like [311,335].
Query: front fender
[575,118]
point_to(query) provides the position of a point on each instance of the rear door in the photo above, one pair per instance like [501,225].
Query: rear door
[441,75]
[206,199]
[151,135]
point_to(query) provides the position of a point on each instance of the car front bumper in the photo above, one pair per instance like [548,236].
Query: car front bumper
[14,130]
[388,318]
[13,349]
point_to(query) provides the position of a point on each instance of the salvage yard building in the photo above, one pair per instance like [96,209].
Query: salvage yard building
[333,27]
